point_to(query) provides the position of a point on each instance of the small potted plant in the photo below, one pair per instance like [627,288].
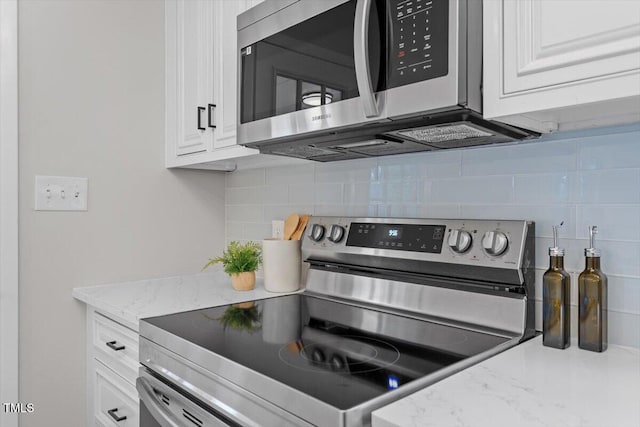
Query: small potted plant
[240,261]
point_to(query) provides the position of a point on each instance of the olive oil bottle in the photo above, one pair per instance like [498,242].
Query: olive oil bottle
[556,288]
[592,299]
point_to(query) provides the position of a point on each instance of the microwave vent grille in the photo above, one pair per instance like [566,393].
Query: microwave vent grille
[302,151]
[440,134]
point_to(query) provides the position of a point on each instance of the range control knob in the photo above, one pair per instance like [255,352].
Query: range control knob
[336,233]
[459,241]
[494,243]
[316,233]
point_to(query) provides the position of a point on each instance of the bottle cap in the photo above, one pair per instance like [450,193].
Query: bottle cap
[591,251]
[555,250]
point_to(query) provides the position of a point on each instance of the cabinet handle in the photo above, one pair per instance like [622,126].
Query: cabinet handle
[200,110]
[211,107]
[112,413]
[115,347]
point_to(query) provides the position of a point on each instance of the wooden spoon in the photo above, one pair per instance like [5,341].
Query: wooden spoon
[297,235]
[290,225]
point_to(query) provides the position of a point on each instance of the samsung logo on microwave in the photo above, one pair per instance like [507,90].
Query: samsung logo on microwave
[320,117]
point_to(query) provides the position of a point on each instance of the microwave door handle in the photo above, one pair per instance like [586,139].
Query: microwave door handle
[361,58]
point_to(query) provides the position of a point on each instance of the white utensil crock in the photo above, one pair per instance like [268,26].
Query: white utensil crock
[281,263]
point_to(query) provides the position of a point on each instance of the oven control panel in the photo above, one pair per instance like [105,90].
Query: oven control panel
[493,243]
[407,237]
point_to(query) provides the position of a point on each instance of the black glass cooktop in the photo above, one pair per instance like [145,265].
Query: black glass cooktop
[341,354]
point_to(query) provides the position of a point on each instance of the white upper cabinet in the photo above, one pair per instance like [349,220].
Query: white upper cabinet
[562,64]
[189,75]
[201,86]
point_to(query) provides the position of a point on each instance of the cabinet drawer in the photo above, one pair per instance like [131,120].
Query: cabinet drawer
[116,346]
[114,394]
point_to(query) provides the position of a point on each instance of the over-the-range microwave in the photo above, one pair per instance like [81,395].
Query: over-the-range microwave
[341,79]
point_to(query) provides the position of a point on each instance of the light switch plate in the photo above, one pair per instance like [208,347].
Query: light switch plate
[277,229]
[61,193]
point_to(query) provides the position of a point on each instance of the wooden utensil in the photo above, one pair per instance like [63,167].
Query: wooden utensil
[297,235]
[290,225]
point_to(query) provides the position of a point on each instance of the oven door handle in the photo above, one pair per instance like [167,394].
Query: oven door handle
[145,391]
[361,58]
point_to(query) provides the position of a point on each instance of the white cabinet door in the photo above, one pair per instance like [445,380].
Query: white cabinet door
[202,86]
[227,72]
[189,75]
[549,60]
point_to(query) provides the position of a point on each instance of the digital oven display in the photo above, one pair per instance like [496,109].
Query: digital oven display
[406,237]
[394,232]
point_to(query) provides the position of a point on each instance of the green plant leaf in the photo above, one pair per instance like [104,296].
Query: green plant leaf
[239,258]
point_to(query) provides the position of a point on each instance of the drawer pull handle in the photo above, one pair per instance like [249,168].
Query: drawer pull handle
[112,414]
[115,347]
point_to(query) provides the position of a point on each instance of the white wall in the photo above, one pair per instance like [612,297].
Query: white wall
[91,104]
[582,178]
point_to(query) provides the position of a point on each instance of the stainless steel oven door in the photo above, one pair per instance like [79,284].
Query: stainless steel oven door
[163,406]
[310,66]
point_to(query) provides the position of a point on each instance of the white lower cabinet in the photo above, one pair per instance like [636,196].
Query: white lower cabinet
[115,400]
[112,369]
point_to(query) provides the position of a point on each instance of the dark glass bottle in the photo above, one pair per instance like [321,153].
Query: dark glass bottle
[556,322]
[556,288]
[592,296]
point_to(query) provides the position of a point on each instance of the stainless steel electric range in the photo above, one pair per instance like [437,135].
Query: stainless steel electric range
[390,306]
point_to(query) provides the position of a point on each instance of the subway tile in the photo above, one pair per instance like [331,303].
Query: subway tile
[538,310]
[545,188]
[624,329]
[245,196]
[395,191]
[449,211]
[624,294]
[362,193]
[301,194]
[423,191]
[605,152]
[486,189]
[439,164]
[248,213]
[399,210]
[621,258]
[246,178]
[347,210]
[545,216]
[328,193]
[361,170]
[609,186]
[400,167]
[256,231]
[290,175]
[614,222]
[281,212]
[535,157]
[234,230]
[275,194]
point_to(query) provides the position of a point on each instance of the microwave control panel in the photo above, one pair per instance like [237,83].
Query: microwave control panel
[419,44]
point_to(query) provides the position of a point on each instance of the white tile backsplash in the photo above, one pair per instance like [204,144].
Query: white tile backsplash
[544,188]
[582,178]
[609,186]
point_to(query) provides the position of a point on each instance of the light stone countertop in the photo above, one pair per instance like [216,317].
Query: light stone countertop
[128,302]
[529,386]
